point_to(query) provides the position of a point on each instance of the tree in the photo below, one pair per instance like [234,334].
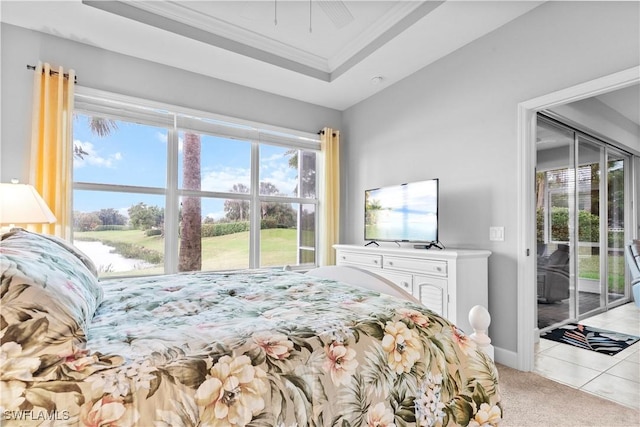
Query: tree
[111,216]
[85,221]
[237,210]
[267,189]
[143,217]
[190,256]
[281,214]
[99,126]
[307,177]
[275,213]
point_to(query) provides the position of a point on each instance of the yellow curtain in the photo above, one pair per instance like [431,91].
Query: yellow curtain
[51,145]
[330,211]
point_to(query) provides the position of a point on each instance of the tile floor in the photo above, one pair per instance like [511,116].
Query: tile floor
[616,378]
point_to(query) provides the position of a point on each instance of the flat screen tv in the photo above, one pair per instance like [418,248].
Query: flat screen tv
[402,213]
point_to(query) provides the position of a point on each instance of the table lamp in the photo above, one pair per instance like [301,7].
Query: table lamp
[21,204]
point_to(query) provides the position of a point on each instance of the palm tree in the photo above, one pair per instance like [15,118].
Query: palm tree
[190,257]
[99,126]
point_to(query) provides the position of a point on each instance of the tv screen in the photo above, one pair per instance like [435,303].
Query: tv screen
[402,213]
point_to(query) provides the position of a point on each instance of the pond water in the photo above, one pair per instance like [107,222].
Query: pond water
[107,261]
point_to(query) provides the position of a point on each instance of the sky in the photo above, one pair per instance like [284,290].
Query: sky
[136,154]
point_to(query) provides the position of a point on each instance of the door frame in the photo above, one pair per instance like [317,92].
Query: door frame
[526,128]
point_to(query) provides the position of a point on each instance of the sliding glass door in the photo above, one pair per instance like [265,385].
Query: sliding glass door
[618,214]
[582,185]
[555,213]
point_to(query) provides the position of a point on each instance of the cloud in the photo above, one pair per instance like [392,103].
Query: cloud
[275,169]
[283,178]
[92,158]
[225,179]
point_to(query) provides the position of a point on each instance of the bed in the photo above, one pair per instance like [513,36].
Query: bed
[245,348]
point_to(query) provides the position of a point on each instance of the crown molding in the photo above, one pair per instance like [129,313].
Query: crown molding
[398,12]
[226,35]
[179,12]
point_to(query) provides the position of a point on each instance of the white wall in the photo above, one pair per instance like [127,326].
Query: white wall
[105,70]
[456,120]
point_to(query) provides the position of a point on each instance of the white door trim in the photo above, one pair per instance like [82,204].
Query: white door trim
[526,215]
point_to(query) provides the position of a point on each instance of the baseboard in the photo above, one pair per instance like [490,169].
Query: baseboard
[506,357]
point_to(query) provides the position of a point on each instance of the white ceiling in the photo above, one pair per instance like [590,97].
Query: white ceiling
[624,101]
[324,52]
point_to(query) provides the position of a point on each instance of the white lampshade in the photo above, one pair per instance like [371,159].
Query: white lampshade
[21,204]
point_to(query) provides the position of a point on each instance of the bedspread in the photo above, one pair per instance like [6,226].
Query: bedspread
[254,348]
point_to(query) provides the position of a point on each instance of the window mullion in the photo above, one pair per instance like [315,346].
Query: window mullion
[171,223]
[92,186]
[254,208]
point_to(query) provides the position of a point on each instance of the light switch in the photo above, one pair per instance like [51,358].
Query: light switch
[496,234]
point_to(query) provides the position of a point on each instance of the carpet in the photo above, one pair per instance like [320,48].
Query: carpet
[590,338]
[530,400]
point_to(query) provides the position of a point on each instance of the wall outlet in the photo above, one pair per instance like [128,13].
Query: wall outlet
[496,234]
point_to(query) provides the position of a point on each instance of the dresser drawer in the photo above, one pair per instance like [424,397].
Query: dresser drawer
[438,268]
[403,280]
[373,261]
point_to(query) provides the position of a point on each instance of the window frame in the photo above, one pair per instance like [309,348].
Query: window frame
[177,119]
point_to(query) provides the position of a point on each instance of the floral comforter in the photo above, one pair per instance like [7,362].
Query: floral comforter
[253,348]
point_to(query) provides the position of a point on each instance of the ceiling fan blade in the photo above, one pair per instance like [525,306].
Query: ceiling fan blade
[337,11]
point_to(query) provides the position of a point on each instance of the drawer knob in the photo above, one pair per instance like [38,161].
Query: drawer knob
[390,262]
[375,261]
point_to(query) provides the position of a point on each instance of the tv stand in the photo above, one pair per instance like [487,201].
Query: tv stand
[449,282]
[373,242]
[429,246]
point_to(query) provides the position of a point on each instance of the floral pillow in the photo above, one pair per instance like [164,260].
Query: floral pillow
[49,296]
[75,251]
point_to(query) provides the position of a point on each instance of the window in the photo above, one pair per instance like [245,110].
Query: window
[159,189]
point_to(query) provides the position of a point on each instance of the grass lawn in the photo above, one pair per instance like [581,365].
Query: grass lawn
[278,247]
[590,269]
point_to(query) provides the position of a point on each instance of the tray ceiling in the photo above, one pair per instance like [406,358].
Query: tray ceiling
[326,52]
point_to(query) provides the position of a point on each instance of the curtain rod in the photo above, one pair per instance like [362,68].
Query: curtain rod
[321,132]
[53,72]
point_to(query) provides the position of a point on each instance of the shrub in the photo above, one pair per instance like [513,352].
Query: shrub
[153,232]
[588,227]
[222,229]
[129,250]
[267,223]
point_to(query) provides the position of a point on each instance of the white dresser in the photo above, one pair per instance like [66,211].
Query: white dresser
[449,282]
